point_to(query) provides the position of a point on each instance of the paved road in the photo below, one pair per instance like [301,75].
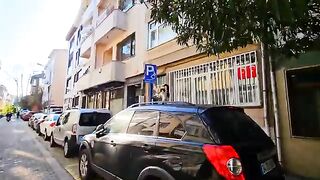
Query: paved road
[23,157]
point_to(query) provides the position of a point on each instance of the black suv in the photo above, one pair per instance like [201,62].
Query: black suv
[179,141]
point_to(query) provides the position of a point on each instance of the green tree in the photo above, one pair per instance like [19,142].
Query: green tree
[288,27]
[8,108]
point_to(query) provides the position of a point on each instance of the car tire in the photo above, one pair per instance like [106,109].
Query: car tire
[85,170]
[45,136]
[67,149]
[38,131]
[52,143]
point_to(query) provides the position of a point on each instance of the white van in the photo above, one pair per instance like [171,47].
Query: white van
[73,125]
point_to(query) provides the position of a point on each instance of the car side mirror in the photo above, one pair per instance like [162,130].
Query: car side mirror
[99,127]
[101,131]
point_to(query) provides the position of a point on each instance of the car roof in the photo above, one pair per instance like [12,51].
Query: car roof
[188,108]
[90,110]
[180,107]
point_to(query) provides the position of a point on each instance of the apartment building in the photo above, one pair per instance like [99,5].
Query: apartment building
[116,38]
[54,81]
[119,38]
[76,65]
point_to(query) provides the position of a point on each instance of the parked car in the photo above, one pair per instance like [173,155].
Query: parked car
[23,112]
[33,118]
[38,121]
[179,141]
[26,116]
[48,125]
[73,125]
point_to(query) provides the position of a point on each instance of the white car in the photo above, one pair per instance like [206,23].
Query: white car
[48,125]
[73,125]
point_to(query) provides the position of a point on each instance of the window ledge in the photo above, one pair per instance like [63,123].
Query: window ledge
[128,58]
[162,44]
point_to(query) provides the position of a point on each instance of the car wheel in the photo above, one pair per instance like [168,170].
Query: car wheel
[67,150]
[38,131]
[45,136]
[85,169]
[52,143]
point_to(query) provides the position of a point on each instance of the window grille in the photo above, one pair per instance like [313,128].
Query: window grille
[230,81]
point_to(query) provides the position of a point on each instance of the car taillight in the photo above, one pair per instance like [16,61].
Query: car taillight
[225,160]
[52,124]
[74,128]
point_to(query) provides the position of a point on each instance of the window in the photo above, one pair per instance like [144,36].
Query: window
[75,101]
[143,123]
[93,119]
[78,58]
[231,126]
[304,101]
[159,34]
[68,84]
[70,60]
[170,126]
[230,81]
[119,122]
[77,76]
[127,47]
[125,5]
[195,129]
[64,118]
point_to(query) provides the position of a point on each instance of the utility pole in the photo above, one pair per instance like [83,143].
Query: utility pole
[16,80]
[21,85]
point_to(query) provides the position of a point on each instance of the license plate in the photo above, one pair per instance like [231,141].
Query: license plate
[267,166]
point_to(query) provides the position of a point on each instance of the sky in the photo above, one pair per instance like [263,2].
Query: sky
[29,31]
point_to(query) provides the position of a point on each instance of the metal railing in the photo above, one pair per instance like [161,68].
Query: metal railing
[229,81]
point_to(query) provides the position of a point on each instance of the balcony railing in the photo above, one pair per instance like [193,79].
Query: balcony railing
[113,71]
[105,14]
[112,21]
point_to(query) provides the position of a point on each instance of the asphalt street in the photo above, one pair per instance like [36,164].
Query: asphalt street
[22,156]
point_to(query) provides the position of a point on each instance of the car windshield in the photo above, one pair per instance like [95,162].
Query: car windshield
[234,127]
[93,118]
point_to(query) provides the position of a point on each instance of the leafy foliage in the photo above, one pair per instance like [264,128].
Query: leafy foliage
[27,102]
[288,27]
[8,108]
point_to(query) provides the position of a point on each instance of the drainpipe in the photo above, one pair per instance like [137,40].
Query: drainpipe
[275,111]
[264,91]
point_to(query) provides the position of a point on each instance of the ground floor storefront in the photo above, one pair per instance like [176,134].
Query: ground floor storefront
[298,92]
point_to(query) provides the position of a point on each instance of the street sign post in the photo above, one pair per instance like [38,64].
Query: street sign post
[150,76]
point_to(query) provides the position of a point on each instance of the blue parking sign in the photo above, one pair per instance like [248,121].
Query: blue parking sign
[150,73]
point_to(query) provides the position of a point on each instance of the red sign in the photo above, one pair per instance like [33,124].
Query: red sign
[247,72]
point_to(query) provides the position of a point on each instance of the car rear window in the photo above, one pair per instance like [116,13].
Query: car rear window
[93,119]
[234,127]
[55,117]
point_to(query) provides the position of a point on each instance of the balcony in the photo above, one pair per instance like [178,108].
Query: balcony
[109,24]
[113,71]
[88,13]
[85,46]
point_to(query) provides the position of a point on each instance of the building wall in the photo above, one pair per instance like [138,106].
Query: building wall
[135,24]
[60,58]
[300,155]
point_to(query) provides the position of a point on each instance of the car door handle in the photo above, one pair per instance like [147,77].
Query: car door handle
[113,143]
